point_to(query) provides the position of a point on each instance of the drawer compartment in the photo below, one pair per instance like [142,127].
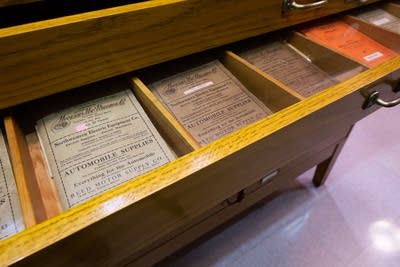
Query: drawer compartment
[12,220]
[40,198]
[356,39]
[190,103]
[386,17]
[311,67]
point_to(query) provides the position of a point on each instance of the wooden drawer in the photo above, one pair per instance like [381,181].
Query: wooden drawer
[141,216]
[45,57]
[124,222]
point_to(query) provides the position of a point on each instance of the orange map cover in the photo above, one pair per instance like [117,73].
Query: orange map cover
[341,37]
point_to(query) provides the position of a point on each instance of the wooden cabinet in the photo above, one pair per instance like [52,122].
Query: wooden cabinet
[148,218]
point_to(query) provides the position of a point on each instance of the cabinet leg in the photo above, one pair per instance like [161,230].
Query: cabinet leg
[325,167]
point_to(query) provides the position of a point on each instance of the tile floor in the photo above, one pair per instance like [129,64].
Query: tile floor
[353,220]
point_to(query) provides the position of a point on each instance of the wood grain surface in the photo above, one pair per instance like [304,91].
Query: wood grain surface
[176,134]
[30,202]
[253,194]
[383,36]
[4,3]
[393,8]
[45,184]
[187,187]
[41,58]
[273,93]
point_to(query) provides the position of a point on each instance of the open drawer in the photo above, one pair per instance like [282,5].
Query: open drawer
[122,225]
[119,226]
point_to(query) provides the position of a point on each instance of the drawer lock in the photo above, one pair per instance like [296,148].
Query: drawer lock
[373,98]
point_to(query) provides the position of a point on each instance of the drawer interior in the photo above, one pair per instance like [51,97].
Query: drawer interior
[384,15]
[337,66]
[35,188]
[38,194]
[393,8]
[274,96]
[386,37]
[330,67]
[180,183]
[201,181]
[371,45]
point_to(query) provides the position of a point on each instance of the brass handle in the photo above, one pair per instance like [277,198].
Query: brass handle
[373,98]
[292,4]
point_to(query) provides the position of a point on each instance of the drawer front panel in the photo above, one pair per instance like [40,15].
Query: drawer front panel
[42,58]
[231,164]
[258,192]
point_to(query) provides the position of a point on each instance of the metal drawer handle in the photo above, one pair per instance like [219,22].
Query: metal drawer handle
[292,4]
[373,98]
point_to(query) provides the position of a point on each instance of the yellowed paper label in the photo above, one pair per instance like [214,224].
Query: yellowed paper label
[100,144]
[209,101]
[382,18]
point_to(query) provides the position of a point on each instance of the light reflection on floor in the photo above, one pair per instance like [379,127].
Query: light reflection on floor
[385,236]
